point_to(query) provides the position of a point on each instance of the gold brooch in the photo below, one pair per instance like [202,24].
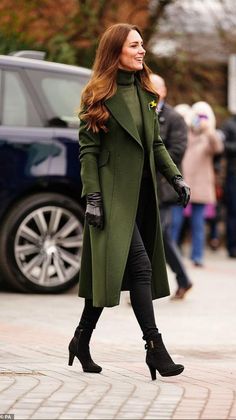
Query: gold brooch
[152,104]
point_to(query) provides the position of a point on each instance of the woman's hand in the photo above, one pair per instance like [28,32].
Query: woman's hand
[182,189]
[94,210]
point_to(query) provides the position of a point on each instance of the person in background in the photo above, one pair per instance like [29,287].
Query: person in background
[185,111]
[179,223]
[173,131]
[204,142]
[213,212]
[120,149]
[229,132]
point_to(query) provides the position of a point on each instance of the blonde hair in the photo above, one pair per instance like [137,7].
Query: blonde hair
[102,84]
[203,107]
[185,111]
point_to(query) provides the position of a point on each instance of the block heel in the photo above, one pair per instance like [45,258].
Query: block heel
[152,372]
[71,359]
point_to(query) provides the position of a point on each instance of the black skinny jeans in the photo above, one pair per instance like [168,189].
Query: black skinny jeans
[140,273]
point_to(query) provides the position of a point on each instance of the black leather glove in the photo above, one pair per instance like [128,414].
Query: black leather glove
[182,189]
[94,210]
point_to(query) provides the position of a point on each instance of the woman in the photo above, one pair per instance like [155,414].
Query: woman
[119,146]
[198,167]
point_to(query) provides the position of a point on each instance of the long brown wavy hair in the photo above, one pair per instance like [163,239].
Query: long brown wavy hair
[102,84]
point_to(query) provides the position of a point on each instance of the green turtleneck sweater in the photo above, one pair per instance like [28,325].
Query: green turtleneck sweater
[126,85]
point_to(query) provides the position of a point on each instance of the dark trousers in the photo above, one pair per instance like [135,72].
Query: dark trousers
[172,253]
[140,274]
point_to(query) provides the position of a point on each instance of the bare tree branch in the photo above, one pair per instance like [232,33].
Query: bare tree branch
[154,16]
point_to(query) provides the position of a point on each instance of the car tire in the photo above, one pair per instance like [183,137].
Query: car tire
[41,243]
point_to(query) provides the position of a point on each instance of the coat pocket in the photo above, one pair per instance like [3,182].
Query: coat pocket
[103,158]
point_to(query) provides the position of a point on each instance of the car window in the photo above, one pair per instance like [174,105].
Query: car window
[17,106]
[60,95]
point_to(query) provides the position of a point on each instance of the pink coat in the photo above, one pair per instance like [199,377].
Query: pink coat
[197,165]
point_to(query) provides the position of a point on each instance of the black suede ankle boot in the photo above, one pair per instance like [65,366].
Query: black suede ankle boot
[79,347]
[158,359]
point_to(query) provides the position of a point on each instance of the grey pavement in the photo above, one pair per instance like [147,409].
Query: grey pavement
[37,383]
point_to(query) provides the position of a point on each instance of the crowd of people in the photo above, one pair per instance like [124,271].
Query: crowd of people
[209,166]
[206,156]
[204,143]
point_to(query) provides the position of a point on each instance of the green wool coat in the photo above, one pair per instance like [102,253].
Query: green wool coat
[112,163]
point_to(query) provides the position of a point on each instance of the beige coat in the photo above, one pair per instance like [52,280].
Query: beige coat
[197,166]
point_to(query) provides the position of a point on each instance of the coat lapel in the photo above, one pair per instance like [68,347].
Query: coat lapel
[121,113]
[148,113]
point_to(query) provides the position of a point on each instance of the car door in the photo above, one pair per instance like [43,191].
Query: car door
[60,93]
[25,144]
[41,236]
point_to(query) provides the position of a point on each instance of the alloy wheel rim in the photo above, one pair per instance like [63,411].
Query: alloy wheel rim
[48,246]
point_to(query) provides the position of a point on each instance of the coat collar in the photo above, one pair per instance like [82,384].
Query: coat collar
[147,112]
[120,111]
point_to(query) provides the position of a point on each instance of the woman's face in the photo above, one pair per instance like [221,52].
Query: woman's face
[132,54]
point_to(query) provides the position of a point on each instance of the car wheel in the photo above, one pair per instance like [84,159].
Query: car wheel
[41,243]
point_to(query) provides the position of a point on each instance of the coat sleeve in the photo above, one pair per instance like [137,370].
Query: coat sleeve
[215,145]
[89,150]
[163,161]
[176,140]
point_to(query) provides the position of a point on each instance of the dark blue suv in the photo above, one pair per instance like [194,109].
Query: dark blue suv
[41,213]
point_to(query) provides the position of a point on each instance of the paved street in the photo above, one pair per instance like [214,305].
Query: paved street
[36,383]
